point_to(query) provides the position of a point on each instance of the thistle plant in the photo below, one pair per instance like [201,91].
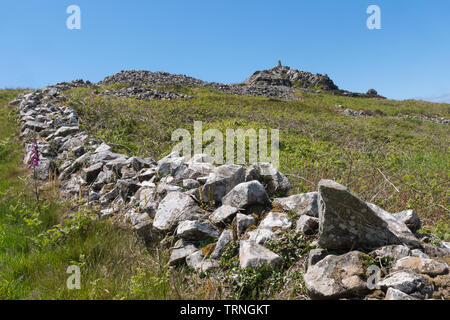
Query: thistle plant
[33,163]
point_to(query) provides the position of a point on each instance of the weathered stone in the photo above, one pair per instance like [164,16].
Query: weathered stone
[163,189]
[170,163]
[35,126]
[146,174]
[246,194]
[252,255]
[394,294]
[347,222]
[243,222]
[175,207]
[221,181]
[225,238]
[45,169]
[138,163]
[198,166]
[190,184]
[305,203]
[434,251]
[196,230]
[65,131]
[127,188]
[104,177]
[276,183]
[144,229]
[181,250]
[270,227]
[146,200]
[197,262]
[393,252]
[421,265]
[419,253]
[276,221]
[261,235]
[307,225]
[410,218]
[403,281]
[90,174]
[336,277]
[223,215]
[315,255]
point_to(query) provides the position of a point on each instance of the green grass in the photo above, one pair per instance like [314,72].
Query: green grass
[37,245]
[369,155]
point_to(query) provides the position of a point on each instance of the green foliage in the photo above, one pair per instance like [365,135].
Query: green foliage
[290,246]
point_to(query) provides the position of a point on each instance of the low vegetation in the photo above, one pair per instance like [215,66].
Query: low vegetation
[387,159]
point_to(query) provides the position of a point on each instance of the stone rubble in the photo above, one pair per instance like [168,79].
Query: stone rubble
[167,199]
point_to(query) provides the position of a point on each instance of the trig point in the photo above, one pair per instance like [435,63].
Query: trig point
[279,63]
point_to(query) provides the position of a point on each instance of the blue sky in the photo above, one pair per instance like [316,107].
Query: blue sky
[226,41]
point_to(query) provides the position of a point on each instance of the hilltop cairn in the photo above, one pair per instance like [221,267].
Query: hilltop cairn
[284,76]
[166,200]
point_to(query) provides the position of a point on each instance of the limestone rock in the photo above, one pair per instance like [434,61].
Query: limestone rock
[403,281]
[251,255]
[336,277]
[394,294]
[196,230]
[197,262]
[346,222]
[243,222]
[307,225]
[305,203]
[246,194]
[175,207]
[225,238]
[410,218]
[90,174]
[223,215]
[393,252]
[276,183]
[421,265]
[315,255]
[181,250]
[221,181]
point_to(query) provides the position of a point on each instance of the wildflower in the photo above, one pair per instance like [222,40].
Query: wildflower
[34,159]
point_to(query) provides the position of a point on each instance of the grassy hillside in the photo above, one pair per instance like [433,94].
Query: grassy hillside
[395,162]
[38,243]
[374,156]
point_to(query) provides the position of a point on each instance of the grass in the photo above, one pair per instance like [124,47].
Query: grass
[374,156]
[395,162]
[38,245]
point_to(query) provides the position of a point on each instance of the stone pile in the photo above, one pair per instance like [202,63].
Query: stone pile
[284,76]
[191,203]
[164,79]
[143,94]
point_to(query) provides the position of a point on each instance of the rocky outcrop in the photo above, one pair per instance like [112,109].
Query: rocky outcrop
[284,76]
[347,222]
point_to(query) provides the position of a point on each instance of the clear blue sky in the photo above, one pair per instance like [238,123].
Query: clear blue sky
[226,41]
